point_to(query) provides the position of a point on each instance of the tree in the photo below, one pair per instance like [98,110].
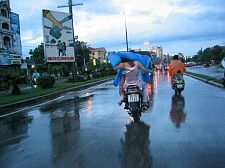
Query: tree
[41,68]
[82,54]
[217,54]
[206,55]
[38,54]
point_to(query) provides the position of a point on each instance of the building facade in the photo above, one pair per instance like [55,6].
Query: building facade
[98,53]
[158,52]
[10,40]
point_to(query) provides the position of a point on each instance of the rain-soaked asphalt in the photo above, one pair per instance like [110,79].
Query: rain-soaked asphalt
[94,132]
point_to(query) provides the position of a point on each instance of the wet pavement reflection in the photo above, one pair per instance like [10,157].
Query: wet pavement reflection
[135,146]
[14,129]
[177,112]
[88,129]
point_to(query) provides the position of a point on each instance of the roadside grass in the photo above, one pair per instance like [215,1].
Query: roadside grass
[208,78]
[6,98]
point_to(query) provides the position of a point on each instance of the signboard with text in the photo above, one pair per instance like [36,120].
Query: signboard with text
[58,36]
[15,27]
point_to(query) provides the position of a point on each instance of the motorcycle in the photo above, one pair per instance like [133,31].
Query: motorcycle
[134,101]
[178,83]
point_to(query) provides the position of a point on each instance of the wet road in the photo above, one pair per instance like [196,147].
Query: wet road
[94,132]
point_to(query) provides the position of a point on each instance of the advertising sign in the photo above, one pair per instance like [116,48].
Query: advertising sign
[5,58]
[5,61]
[15,26]
[58,36]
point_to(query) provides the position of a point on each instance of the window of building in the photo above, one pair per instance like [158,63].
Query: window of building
[4,13]
[5,26]
[6,40]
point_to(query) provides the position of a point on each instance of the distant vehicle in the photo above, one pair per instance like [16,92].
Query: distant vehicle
[190,64]
[166,67]
[207,65]
[198,63]
[158,67]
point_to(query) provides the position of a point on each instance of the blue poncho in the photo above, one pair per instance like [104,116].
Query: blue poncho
[115,59]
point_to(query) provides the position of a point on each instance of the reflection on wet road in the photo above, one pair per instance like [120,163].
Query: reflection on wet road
[177,113]
[88,129]
[135,146]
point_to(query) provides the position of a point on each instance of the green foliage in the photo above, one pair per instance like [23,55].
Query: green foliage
[41,68]
[46,81]
[38,54]
[12,80]
[16,90]
[5,98]
[65,69]
[57,69]
[82,54]
[215,53]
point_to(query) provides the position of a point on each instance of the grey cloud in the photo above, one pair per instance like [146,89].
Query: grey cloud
[100,7]
[185,27]
[210,15]
[215,3]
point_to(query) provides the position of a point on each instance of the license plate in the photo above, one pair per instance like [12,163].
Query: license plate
[179,86]
[133,98]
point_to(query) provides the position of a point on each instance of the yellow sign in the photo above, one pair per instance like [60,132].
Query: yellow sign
[94,62]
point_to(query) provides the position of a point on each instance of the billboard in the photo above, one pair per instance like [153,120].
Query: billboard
[10,61]
[58,36]
[15,27]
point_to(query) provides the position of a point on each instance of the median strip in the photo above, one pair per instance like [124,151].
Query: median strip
[206,79]
[37,95]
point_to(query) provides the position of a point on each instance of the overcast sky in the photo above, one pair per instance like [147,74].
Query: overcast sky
[175,25]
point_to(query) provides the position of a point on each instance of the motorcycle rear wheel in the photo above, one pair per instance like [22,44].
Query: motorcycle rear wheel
[179,92]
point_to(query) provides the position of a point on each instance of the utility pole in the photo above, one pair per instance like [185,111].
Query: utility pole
[126,32]
[70,5]
[124,13]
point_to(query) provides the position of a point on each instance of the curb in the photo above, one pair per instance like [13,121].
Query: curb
[41,98]
[206,81]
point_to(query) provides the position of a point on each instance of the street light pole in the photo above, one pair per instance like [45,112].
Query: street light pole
[70,5]
[124,13]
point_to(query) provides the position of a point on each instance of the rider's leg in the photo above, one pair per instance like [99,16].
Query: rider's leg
[145,92]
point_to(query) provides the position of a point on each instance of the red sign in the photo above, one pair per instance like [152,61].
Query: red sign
[53,59]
